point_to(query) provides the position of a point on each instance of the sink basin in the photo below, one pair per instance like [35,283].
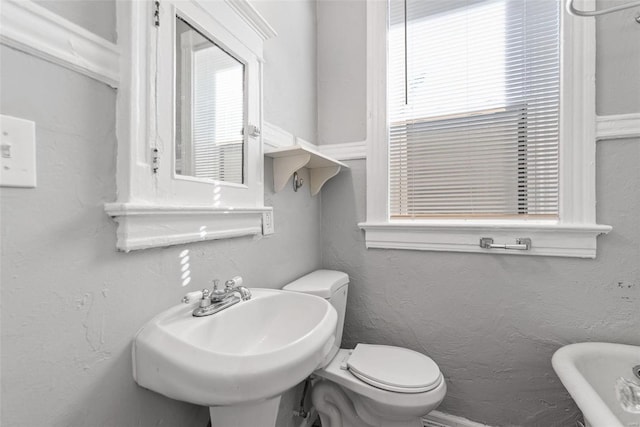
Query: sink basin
[252,351]
[589,372]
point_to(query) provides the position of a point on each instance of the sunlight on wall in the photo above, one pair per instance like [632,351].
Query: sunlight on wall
[185,267]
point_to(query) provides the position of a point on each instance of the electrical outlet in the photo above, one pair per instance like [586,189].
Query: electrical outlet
[267,223]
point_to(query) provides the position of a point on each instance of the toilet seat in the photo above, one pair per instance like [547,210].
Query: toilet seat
[393,369]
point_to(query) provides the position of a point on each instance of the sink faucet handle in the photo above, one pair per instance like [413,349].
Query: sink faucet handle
[196,295]
[192,296]
[233,282]
[205,301]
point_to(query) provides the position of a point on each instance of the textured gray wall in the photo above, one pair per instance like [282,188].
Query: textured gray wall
[70,303]
[290,66]
[490,322]
[618,61]
[98,16]
[493,322]
[342,34]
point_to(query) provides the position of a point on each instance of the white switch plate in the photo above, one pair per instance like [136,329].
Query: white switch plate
[17,152]
[267,223]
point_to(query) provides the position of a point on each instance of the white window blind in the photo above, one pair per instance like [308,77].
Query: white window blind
[473,98]
[218,115]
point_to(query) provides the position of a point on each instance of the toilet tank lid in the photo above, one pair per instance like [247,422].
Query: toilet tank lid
[322,283]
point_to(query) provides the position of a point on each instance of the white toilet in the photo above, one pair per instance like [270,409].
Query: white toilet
[371,385]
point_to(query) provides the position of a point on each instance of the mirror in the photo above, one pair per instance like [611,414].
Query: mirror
[210,108]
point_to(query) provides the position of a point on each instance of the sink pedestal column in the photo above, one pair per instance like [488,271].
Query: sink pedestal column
[261,414]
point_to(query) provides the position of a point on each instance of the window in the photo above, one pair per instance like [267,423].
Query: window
[473,108]
[484,127]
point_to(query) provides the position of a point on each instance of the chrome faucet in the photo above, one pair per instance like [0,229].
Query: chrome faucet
[231,286]
[217,300]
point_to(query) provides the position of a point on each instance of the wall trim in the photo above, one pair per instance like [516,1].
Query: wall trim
[32,29]
[441,419]
[618,126]
[148,226]
[253,18]
[614,126]
[434,419]
[276,137]
[346,151]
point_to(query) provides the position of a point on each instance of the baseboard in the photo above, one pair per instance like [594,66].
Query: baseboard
[434,419]
[440,419]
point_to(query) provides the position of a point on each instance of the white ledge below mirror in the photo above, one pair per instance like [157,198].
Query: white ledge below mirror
[289,159]
[147,226]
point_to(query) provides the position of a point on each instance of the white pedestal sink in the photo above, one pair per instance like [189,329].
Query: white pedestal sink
[251,414]
[240,360]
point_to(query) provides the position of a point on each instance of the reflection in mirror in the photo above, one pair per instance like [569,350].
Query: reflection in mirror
[210,108]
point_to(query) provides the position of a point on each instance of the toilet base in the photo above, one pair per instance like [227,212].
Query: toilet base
[337,407]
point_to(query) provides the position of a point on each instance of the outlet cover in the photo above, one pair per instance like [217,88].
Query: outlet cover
[267,223]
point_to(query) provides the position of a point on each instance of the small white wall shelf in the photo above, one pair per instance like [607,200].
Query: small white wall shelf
[287,160]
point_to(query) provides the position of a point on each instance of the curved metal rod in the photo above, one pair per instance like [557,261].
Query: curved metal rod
[577,12]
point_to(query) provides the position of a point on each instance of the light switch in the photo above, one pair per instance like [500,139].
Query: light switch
[17,152]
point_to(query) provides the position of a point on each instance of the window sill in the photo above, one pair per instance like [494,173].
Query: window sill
[548,238]
[148,226]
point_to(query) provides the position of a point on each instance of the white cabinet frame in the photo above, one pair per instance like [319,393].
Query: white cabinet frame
[156,207]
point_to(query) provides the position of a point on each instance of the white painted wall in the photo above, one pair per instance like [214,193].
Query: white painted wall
[490,322]
[70,303]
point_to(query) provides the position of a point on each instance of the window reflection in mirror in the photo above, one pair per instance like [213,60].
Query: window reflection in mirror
[209,108]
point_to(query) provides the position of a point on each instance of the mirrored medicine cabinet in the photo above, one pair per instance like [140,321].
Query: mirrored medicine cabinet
[210,108]
[189,111]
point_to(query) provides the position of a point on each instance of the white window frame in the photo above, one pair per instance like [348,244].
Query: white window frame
[572,235]
[163,208]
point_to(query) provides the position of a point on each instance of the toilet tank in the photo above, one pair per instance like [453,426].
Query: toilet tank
[330,285]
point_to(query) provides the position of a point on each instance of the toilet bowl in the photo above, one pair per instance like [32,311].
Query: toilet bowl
[371,385]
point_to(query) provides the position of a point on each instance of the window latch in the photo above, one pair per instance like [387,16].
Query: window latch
[253,131]
[522,244]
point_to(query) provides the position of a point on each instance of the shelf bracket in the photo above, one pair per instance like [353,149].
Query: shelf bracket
[321,175]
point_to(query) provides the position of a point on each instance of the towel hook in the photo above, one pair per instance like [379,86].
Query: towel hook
[577,12]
